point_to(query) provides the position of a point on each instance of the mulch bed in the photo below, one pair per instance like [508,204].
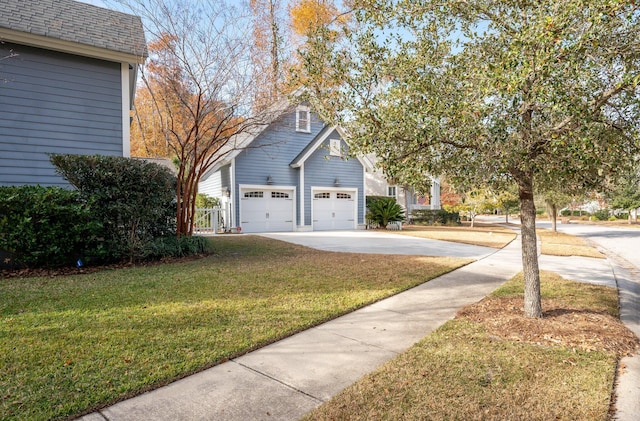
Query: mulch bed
[72,270]
[561,325]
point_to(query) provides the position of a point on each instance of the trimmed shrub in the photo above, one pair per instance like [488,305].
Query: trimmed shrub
[601,215]
[435,217]
[47,226]
[134,200]
[172,246]
[371,199]
[568,212]
[383,210]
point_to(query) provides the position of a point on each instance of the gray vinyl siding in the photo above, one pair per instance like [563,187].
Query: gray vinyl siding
[212,186]
[270,155]
[321,170]
[55,103]
[216,182]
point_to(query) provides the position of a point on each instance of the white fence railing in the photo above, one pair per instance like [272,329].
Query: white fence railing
[208,221]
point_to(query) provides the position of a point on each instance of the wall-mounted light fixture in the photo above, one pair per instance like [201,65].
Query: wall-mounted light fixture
[336,183]
[269,180]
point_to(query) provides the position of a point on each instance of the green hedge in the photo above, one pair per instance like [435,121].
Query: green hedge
[176,247]
[47,226]
[601,215]
[435,217]
[568,212]
[134,200]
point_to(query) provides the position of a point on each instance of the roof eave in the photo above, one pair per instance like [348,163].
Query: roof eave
[69,47]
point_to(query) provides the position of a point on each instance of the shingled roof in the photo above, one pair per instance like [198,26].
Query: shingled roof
[72,22]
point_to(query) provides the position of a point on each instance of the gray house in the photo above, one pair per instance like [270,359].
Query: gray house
[67,81]
[293,175]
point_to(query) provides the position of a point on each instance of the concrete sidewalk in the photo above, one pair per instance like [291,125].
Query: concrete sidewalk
[287,379]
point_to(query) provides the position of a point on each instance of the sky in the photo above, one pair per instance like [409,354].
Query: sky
[94,2]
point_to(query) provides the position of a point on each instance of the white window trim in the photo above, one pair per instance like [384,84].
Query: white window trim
[307,127]
[395,191]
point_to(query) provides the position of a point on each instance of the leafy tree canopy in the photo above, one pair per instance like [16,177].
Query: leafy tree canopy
[487,91]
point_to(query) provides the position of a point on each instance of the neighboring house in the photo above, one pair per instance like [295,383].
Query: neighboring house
[67,81]
[292,175]
[379,185]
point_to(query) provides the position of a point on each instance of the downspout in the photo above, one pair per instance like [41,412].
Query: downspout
[302,204]
[126,81]
[234,194]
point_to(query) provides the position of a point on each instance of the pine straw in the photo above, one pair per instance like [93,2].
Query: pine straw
[562,325]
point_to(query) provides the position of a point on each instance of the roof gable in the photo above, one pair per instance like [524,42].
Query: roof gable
[242,141]
[317,143]
[73,27]
[312,146]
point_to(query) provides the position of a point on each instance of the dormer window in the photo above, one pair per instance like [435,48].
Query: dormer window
[303,119]
[334,147]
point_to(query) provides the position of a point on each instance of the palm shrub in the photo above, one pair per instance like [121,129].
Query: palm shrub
[384,210]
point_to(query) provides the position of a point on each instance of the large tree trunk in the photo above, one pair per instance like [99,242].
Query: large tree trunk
[554,217]
[532,298]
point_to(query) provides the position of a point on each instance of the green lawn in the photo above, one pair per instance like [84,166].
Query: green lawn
[72,344]
[561,244]
[480,235]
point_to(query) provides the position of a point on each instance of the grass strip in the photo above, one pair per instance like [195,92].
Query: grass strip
[72,344]
[487,236]
[561,244]
[478,367]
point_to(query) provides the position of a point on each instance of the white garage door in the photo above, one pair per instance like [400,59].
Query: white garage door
[334,210]
[266,210]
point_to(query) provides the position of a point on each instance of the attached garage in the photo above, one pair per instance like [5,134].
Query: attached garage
[334,209]
[267,209]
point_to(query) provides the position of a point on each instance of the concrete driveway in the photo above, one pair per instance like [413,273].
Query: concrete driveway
[377,242]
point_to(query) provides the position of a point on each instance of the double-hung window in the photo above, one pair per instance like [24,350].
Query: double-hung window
[303,119]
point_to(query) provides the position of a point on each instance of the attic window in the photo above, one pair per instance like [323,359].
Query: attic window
[334,147]
[303,119]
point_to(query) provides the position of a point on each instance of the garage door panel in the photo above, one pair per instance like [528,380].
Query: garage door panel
[267,210]
[333,210]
